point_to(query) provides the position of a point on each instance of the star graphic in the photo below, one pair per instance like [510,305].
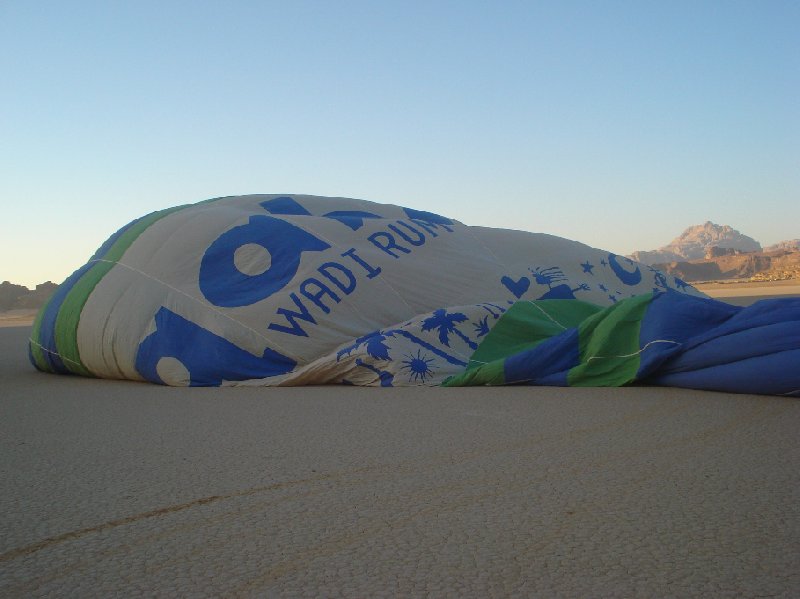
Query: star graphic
[587,267]
[613,298]
[602,287]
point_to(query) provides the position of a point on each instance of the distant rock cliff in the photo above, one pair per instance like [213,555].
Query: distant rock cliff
[698,242]
[761,266]
[790,245]
[15,297]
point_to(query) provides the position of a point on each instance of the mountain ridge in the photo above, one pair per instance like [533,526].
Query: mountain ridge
[712,252]
[696,242]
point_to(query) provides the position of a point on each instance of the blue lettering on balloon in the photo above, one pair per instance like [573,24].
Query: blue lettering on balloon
[371,271]
[388,244]
[225,285]
[346,288]
[314,290]
[321,291]
[291,315]
[430,227]
[207,357]
[417,240]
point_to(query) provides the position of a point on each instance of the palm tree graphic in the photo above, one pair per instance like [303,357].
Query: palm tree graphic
[446,323]
[378,350]
[482,326]
[488,308]
[373,343]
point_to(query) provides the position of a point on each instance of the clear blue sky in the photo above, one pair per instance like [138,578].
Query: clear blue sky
[614,123]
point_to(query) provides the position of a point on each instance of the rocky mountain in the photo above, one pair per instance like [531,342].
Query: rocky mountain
[700,241]
[791,244]
[775,265]
[14,297]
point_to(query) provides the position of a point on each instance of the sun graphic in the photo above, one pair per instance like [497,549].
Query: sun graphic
[418,366]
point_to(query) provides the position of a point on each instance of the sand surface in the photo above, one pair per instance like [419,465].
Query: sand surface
[744,294]
[128,489]
[17,318]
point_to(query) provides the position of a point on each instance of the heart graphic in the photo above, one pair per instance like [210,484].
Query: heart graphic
[516,287]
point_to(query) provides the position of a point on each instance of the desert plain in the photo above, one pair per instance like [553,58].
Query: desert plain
[113,488]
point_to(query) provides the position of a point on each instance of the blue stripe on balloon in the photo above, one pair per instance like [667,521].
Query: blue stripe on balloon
[47,327]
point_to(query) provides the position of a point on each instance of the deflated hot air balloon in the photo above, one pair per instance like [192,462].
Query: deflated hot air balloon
[291,290]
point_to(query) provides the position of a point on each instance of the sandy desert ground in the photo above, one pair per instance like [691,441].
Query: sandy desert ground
[125,489]
[17,318]
[743,294]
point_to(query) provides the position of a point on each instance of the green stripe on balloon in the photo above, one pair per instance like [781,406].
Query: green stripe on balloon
[69,315]
[609,345]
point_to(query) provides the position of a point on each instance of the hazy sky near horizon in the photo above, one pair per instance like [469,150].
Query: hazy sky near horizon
[618,124]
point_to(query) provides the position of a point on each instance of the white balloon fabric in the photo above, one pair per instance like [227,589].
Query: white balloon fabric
[291,290]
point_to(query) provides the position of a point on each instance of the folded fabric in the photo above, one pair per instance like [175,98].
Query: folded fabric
[657,338]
